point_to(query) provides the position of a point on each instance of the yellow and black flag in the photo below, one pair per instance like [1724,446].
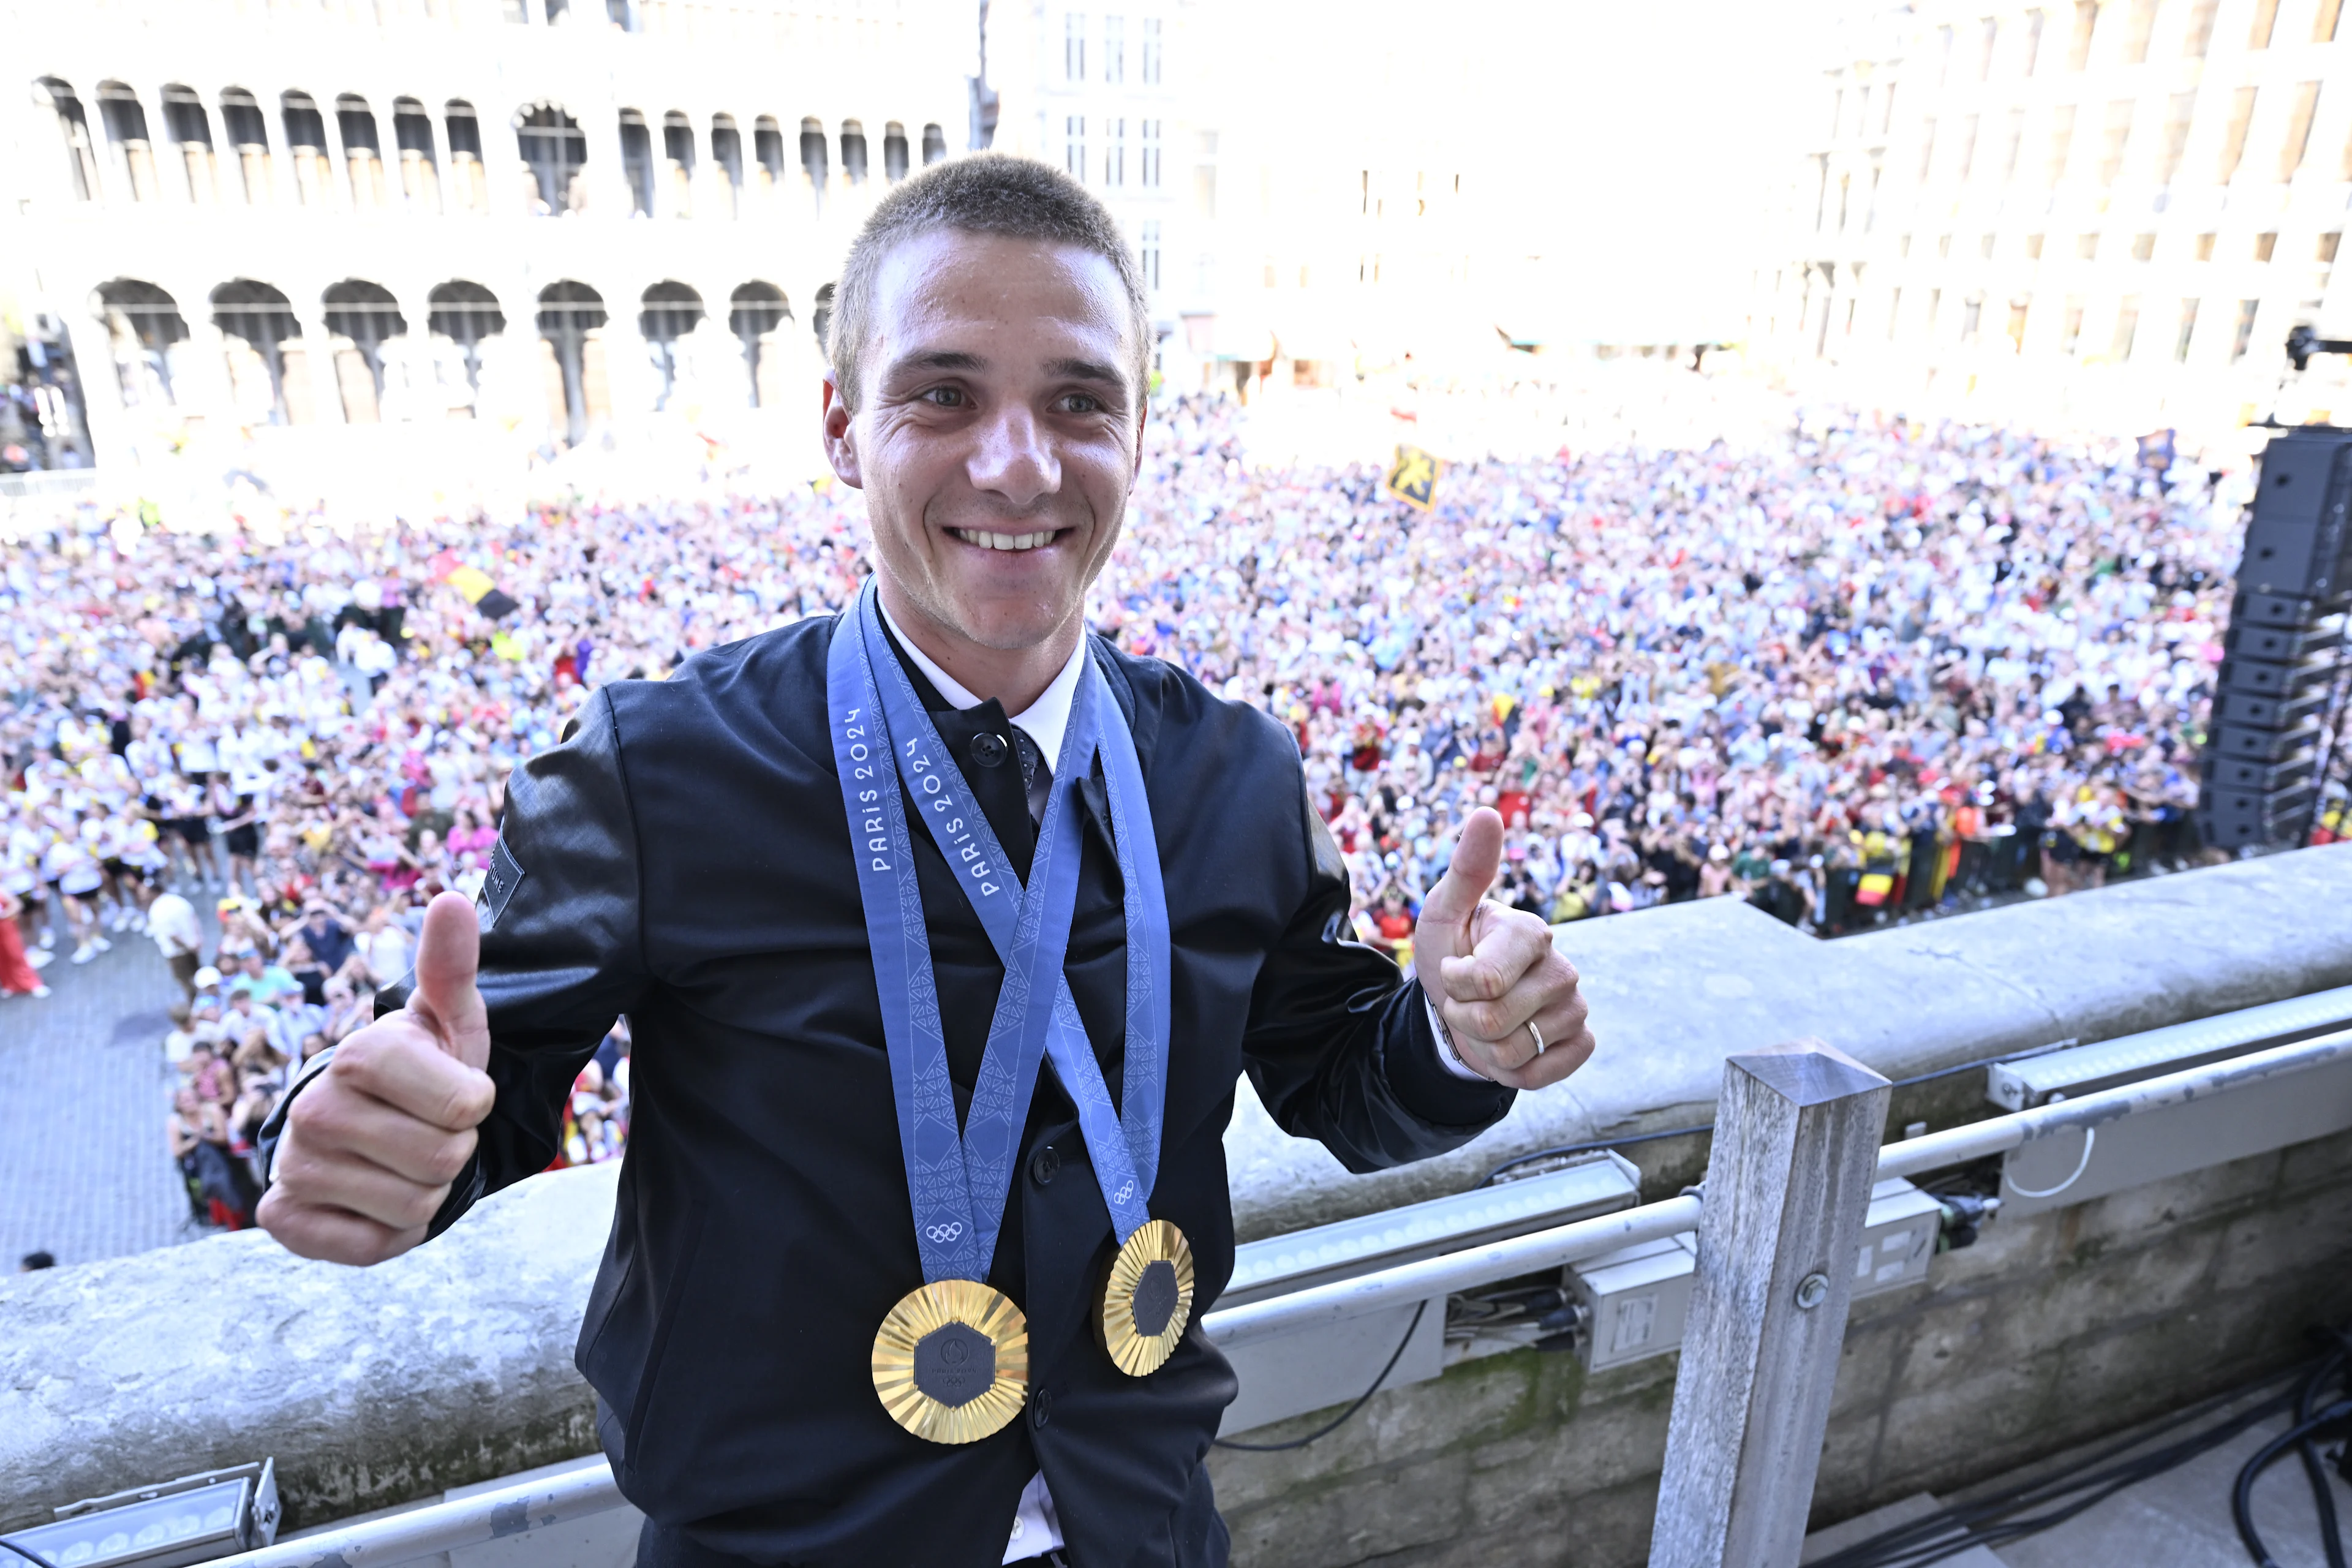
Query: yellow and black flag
[480,591]
[1413,478]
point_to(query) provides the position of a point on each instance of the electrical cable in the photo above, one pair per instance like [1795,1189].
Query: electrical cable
[1586,1148]
[2242,1496]
[2331,1532]
[2300,1438]
[1340,1420]
[2000,1516]
[2090,1141]
[2122,1477]
[1592,1145]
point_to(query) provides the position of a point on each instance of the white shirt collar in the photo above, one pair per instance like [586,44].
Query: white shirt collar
[1042,720]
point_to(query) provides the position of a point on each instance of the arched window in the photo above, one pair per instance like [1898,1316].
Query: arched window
[677,159]
[672,311]
[727,152]
[637,163]
[568,313]
[142,322]
[465,313]
[756,310]
[853,151]
[126,128]
[469,175]
[305,127]
[813,157]
[363,152]
[935,145]
[768,148]
[249,136]
[821,318]
[365,315]
[73,123]
[420,173]
[186,121]
[306,143]
[553,150]
[184,117]
[241,119]
[260,321]
[894,152]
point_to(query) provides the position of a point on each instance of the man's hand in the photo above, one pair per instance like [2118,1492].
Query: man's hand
[1492,972]
[371,1146]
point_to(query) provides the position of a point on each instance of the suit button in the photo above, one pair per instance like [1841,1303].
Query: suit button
[988,748]
[1041,1408]
[1044,1165]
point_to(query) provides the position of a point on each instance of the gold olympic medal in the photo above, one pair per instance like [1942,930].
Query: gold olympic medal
[1147,1299]
[951,1361]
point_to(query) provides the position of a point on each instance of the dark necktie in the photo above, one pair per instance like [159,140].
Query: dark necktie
[1036,774]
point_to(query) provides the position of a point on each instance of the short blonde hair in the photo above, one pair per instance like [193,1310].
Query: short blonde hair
[988,193]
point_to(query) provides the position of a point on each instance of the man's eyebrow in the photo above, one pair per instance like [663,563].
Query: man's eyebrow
[936,358]
[1085,369]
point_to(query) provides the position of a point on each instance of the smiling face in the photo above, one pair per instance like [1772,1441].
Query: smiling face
[999,434]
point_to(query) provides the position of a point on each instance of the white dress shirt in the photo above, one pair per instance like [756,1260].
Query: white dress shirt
[1042,720]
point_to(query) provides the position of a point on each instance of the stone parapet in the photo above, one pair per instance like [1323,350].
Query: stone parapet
[372,1386]
[1676,990]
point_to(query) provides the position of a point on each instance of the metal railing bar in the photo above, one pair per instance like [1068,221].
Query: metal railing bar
[1999,1134]
[2271,1023]
[445,1526]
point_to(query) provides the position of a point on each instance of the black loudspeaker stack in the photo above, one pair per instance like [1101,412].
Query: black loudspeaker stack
[2283,671]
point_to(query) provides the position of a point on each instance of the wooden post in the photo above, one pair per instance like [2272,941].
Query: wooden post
[1796,1149]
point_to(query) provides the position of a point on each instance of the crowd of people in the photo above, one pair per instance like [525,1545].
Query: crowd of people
[1862,671]
[1866,670]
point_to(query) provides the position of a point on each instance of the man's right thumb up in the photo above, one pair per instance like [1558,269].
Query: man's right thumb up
[445,1000]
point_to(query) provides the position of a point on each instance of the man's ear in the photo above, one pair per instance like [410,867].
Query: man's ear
[840,437]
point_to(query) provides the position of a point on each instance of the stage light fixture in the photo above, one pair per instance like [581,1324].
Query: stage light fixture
[194,1519]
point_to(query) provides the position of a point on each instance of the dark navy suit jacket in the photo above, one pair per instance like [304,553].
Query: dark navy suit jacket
[683,858]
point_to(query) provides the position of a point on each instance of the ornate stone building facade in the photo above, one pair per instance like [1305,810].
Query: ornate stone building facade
[2114,210]
[548,214]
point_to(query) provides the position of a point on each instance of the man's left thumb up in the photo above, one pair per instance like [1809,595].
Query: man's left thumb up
[1446,914]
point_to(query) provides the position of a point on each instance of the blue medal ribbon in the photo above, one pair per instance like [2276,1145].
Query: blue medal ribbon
[958,1182]
[1123,1146]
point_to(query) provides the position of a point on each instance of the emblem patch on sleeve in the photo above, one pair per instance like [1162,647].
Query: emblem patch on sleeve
[505,875]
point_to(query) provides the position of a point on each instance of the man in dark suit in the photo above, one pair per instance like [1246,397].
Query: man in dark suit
[684,858]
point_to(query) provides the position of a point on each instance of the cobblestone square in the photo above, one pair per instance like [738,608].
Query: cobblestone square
[86,1088]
